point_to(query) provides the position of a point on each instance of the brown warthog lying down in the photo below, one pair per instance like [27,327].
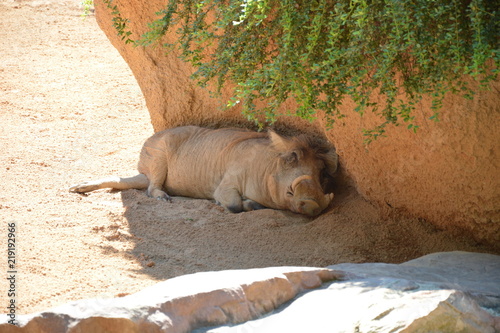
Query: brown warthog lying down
[241,170]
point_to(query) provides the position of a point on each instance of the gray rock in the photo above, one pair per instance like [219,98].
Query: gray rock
[442,292]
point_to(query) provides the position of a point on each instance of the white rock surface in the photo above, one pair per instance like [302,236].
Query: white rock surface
[442,292]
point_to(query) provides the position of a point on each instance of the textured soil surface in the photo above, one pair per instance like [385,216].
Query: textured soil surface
[70,110]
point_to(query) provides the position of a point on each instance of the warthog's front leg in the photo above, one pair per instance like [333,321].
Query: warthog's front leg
[229,197]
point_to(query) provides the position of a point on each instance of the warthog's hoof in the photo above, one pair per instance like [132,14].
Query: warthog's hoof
[165,198]
[159,195]
[249,205]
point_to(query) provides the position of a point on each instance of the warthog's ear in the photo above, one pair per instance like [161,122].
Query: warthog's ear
[278,142]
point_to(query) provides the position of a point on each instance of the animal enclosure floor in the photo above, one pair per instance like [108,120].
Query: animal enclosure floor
[70,111]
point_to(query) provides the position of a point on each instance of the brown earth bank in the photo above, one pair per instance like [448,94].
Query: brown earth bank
[71,110]
[447,173]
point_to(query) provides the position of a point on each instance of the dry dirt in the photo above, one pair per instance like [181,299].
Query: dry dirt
[70,110]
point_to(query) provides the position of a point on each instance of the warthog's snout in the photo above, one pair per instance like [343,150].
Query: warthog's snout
[308,196]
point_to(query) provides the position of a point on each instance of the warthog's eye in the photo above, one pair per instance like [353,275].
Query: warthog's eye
[291,158]
[289,193]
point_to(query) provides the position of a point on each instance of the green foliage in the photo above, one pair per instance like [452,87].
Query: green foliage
[320,51]
[119,23]
[87,6]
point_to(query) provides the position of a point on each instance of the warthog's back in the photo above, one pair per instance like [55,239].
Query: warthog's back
[198,158]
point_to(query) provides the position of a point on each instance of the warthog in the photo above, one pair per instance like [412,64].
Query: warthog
[242,170]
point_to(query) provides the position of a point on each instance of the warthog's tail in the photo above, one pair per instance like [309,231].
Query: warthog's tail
[138,182]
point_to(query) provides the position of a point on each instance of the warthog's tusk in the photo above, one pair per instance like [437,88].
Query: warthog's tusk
[329,197]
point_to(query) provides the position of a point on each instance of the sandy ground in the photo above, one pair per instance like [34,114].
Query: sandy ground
[70,110]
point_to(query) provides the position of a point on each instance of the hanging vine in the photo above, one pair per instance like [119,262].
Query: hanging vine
[320,51]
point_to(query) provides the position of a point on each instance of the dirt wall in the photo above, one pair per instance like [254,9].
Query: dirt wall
[447,173]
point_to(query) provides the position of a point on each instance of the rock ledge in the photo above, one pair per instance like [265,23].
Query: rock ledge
[441,292]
